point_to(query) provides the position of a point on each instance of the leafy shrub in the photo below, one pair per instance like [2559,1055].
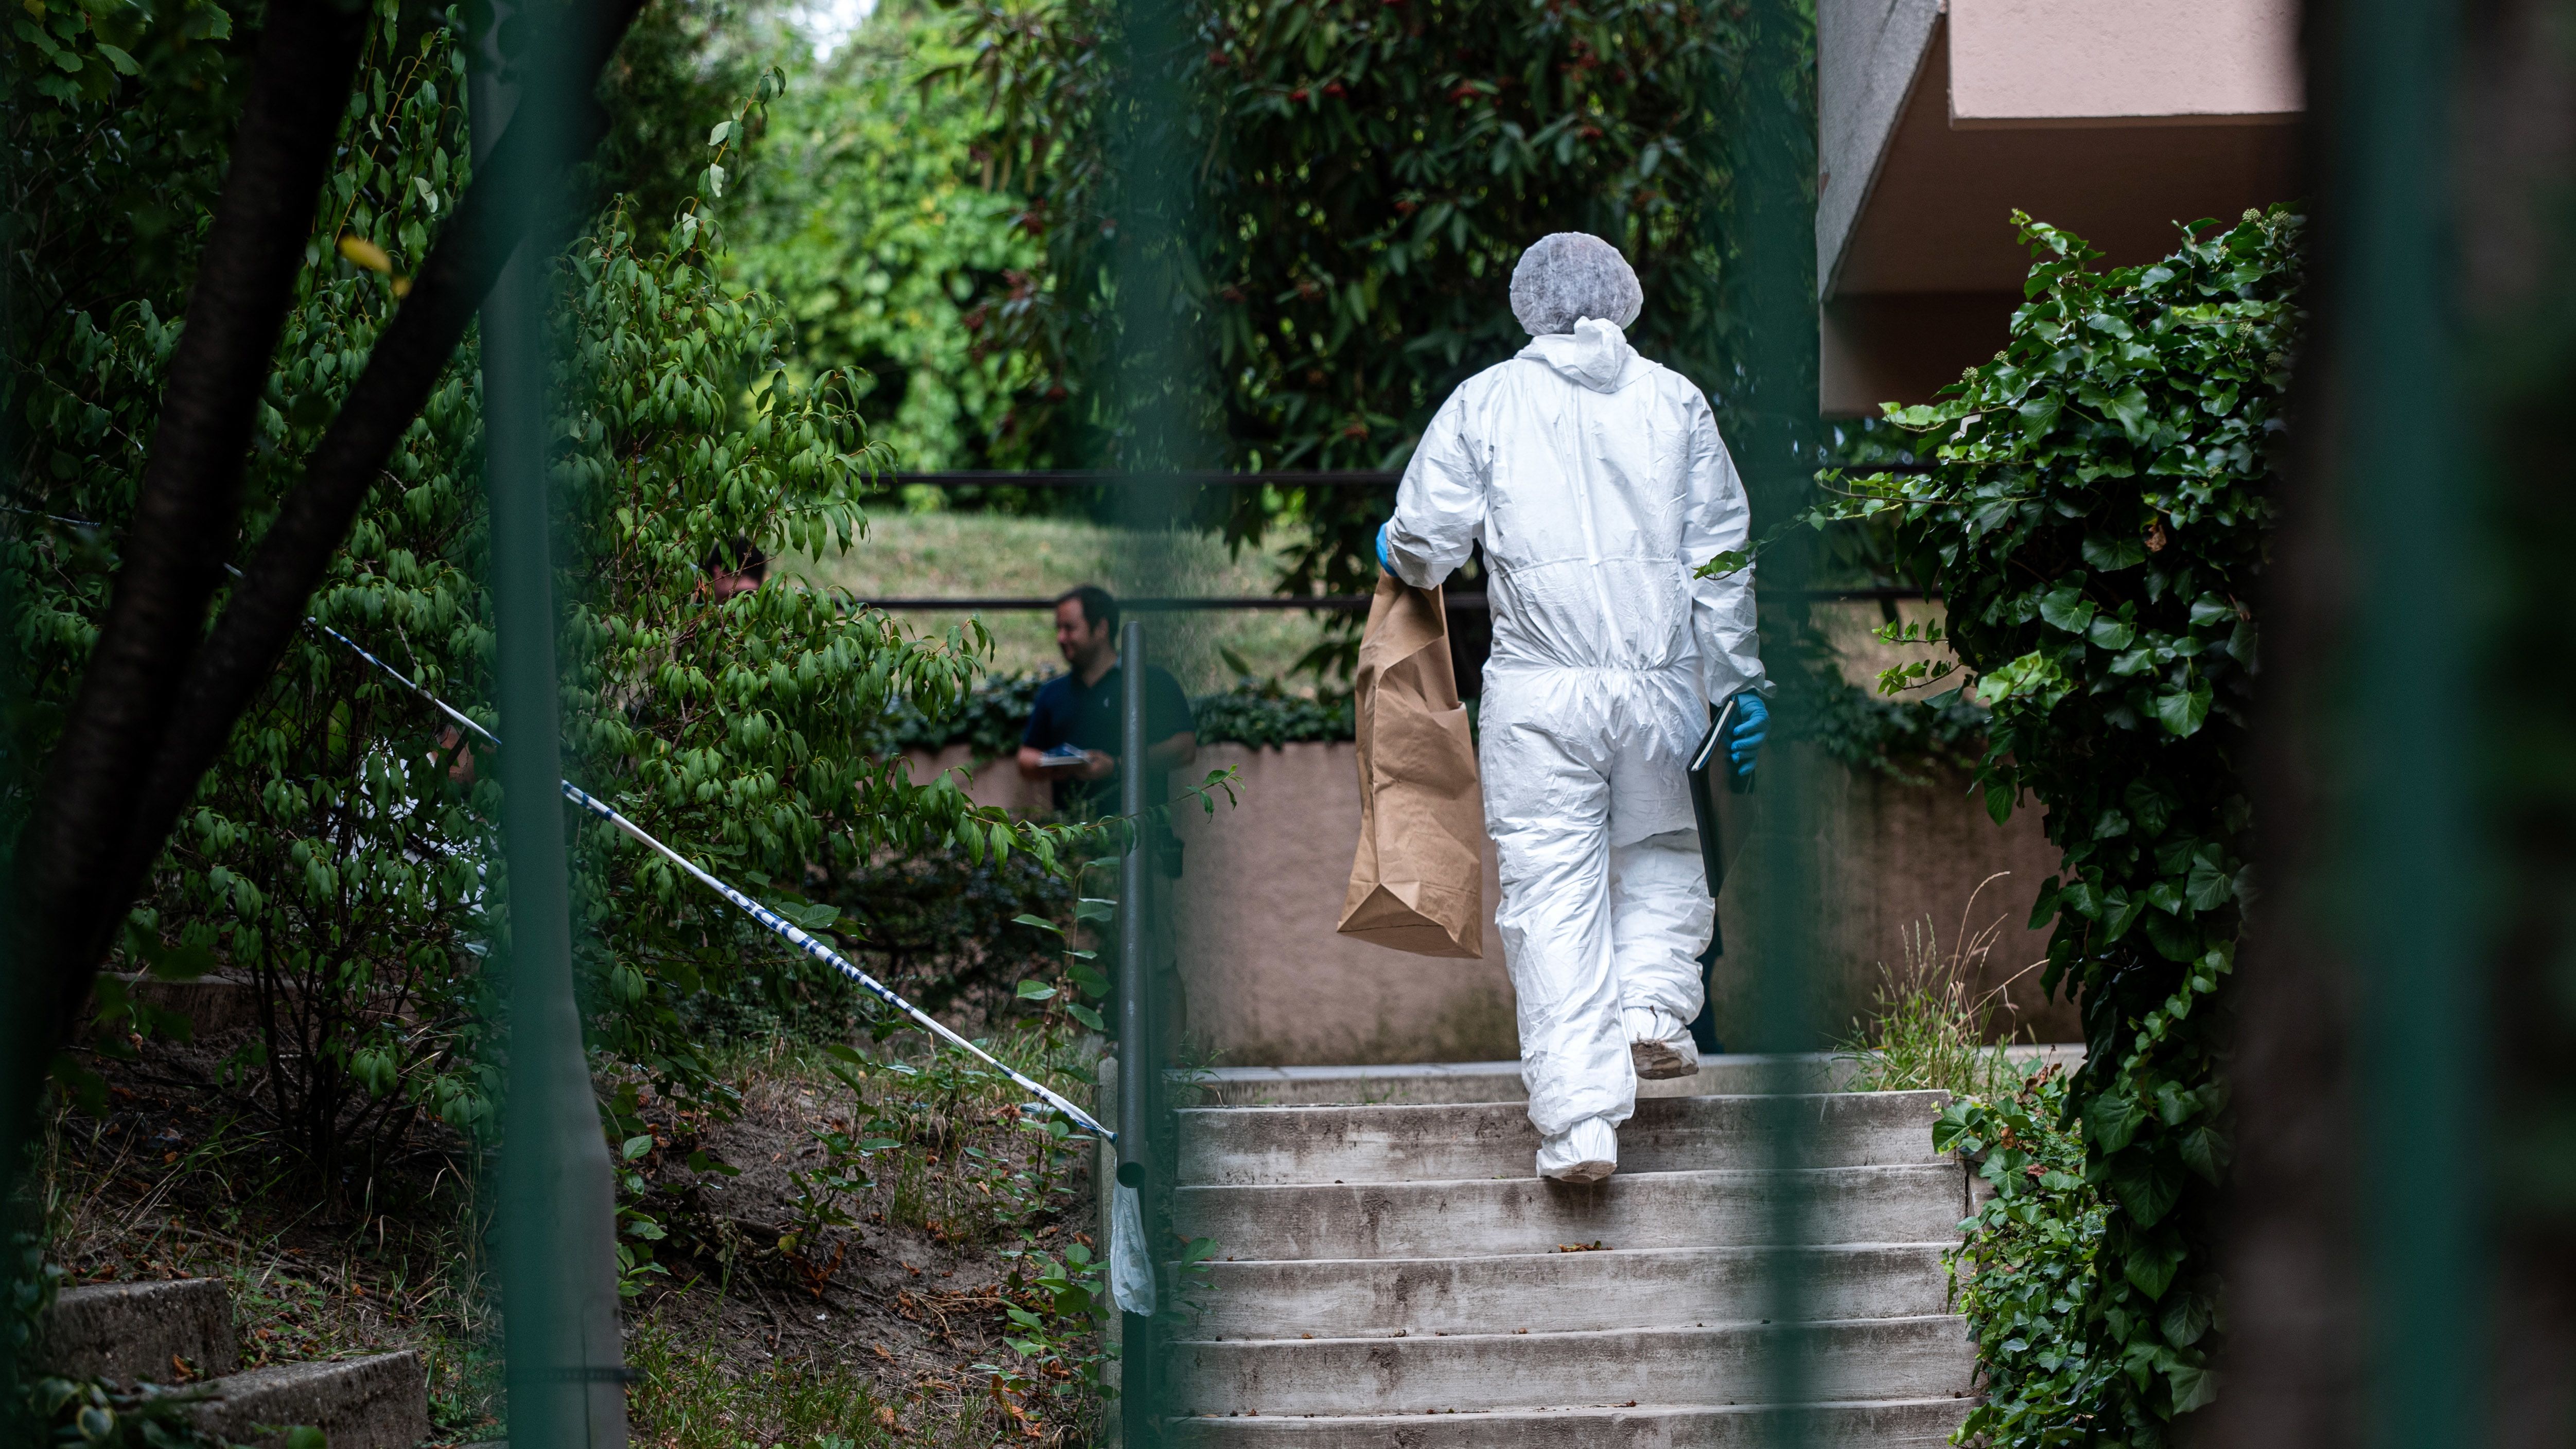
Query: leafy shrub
[1261,713]
[1365,173]
[2031,1268]
[333,856]
[328,858]
[2096,518]
[885,218]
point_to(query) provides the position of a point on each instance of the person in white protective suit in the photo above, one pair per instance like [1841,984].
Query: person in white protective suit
[1597,484]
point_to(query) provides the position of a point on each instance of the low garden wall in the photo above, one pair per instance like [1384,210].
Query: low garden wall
[1270,983]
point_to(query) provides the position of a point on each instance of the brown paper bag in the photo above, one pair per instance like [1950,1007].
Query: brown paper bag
[1418,883]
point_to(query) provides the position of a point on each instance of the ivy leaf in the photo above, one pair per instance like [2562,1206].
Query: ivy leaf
[1731,561]
[2149,806]
[2110,555]
[2174,939]
[2067,608]
[2208,887]
[2112,1120]
[2195,1386]
[2148,1184]
[1036,991]
[2182,711]
[2044,909]
[2203,1149]
[2185,1320]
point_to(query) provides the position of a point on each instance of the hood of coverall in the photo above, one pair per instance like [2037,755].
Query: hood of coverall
[1595,354]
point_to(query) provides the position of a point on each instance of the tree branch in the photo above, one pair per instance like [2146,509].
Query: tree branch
[187,508]
[270,601]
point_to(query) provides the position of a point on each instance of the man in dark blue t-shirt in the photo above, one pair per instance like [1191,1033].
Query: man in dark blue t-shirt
[1078,711]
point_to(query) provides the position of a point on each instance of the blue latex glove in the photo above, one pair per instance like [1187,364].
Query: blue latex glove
[1752,727]
[1382,560]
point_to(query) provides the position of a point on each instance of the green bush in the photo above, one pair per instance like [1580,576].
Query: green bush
[883,217]
[1365,173]
[334,855]
[2030,1269]
[992,718]
[2096,519]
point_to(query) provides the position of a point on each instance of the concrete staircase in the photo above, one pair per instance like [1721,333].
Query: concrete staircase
[176,1340]
[1393,1275]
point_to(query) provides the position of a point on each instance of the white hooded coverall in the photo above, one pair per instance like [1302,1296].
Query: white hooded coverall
[1597,483]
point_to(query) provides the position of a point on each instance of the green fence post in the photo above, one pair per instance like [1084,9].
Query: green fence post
[557,1221]
[2395,344]
[1139,1056]
[1769,408]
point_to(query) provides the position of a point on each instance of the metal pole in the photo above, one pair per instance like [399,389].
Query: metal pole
[1138,1058]
[1770,413]
[2404,455]
[558,1220]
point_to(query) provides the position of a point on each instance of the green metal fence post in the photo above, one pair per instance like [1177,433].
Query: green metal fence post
[557,1223]
[1769,409]
[2393,369]
[1139,1057]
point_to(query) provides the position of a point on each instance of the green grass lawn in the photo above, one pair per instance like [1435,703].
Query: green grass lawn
[951,555]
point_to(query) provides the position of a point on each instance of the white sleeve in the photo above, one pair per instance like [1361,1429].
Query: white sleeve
[1720,520]
[1440,506]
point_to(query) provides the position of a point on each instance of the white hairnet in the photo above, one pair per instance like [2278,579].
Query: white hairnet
[1567,276]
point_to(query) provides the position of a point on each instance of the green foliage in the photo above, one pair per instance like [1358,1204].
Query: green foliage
[334,855]
[2097,521]
[1365,174]
[1256,712]
[328,857]
[684,67]
[1262,714]
[2031,1271]
[89,1415]
[879,220]
[117,124]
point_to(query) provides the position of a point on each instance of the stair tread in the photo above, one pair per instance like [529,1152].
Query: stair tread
[1474,1217]
[372,1401]
[1311,1144]
[1503,1292]
[1823,1424]
[1712,1326]
[1867,1358]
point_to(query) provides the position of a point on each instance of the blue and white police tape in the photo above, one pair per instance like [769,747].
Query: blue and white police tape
[793,934]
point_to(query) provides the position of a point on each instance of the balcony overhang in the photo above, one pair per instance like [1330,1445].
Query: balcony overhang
[2115,121]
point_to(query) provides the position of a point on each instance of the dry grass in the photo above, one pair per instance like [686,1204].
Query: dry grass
[1935,1024]
[954,555]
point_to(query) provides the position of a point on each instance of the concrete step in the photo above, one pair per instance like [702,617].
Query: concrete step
[1558,1292]
[128,1333]
[1915,1204]
[1423,1143]
[1889,1424]
[1858,1359]
[1433,1082]
[379,1402]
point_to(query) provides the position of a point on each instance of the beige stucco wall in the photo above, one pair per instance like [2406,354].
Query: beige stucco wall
[1269,982]
[2051,62]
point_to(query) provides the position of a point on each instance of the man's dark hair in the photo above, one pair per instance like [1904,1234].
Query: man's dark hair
[1097,606]
[737,556]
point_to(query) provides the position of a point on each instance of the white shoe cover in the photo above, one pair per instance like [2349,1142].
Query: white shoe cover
[1587,1152]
